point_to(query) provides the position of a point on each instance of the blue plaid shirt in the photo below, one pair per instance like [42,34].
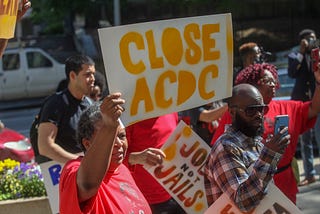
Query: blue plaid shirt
[227,169]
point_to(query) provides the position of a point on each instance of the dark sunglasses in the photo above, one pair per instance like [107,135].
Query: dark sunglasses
[252,110]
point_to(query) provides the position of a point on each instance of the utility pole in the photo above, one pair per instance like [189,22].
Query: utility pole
[116,12]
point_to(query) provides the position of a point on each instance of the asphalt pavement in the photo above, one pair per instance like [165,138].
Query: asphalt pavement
[22,103]
[308,198]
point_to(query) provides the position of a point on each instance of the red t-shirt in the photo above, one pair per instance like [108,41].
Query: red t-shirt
[118,193]
[298,123]
[145,134]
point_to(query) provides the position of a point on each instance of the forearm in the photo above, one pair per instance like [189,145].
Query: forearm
[314,109]
[56,152]
[251,192]
[47,133]
[213,114]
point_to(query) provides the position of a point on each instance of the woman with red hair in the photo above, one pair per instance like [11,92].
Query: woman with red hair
[302,116]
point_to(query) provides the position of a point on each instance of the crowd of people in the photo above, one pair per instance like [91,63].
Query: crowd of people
[80,126]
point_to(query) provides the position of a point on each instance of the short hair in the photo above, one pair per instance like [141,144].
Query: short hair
[100,80]
[247,48]
[74,63]
[253,74]
[87,123]
[305,32]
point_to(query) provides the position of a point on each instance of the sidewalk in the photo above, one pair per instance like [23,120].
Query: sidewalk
[308,198]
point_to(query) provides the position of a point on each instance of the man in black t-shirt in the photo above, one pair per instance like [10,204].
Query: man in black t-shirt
[60,113]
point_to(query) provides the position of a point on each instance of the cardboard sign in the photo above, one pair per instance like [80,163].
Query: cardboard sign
[275,202]
[8,17]
[51,171]
[181,173]
[169,66]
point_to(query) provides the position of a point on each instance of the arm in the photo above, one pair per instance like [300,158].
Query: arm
[314,109]
[26,4]
[47,133]
[96,161]
[213,114]
[150,156]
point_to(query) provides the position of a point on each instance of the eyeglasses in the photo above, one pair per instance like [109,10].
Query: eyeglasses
[269,82]
[252,110]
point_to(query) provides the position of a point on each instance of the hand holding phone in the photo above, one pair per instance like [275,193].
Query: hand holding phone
[280,122]
[315,56]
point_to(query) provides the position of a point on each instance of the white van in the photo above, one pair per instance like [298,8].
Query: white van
[28,73]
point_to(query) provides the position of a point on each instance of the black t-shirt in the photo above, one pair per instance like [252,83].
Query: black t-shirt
[64,110]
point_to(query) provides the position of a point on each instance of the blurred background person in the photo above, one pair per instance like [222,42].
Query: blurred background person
[99,90]
[250,53]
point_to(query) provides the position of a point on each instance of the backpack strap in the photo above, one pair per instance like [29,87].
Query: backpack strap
[33,134]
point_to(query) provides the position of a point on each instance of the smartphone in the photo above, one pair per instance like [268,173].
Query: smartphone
[280,122]
[315,56]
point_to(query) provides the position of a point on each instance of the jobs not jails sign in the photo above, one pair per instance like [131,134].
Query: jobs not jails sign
[169,66]
[275,202]
[181,172]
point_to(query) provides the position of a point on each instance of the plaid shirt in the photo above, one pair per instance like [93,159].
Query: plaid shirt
[227,169]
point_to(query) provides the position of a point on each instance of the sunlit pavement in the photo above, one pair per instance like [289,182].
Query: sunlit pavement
[308,198]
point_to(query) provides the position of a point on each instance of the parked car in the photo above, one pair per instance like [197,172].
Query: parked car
[28,73]
[15,146]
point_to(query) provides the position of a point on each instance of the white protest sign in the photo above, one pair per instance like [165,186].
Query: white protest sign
[181,173]
[275,202]
[169,66]
[51,171]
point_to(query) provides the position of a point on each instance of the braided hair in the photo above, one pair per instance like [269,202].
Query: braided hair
[253,74]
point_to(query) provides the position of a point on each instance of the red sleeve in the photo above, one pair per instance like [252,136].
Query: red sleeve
[225,120]
[68,187]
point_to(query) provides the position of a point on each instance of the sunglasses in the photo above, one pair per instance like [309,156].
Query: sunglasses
[252,110]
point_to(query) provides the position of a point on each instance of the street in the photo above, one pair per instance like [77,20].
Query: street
[308,198]
[19,119]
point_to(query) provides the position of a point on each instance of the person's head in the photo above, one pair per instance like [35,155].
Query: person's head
[263,76]
[80,72]
[310,36]
[247,109]
[99,87]
[250,53]
[90,123]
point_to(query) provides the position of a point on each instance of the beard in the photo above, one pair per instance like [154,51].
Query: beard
[247,128]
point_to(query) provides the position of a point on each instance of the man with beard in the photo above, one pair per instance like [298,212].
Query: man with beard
[241,147]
